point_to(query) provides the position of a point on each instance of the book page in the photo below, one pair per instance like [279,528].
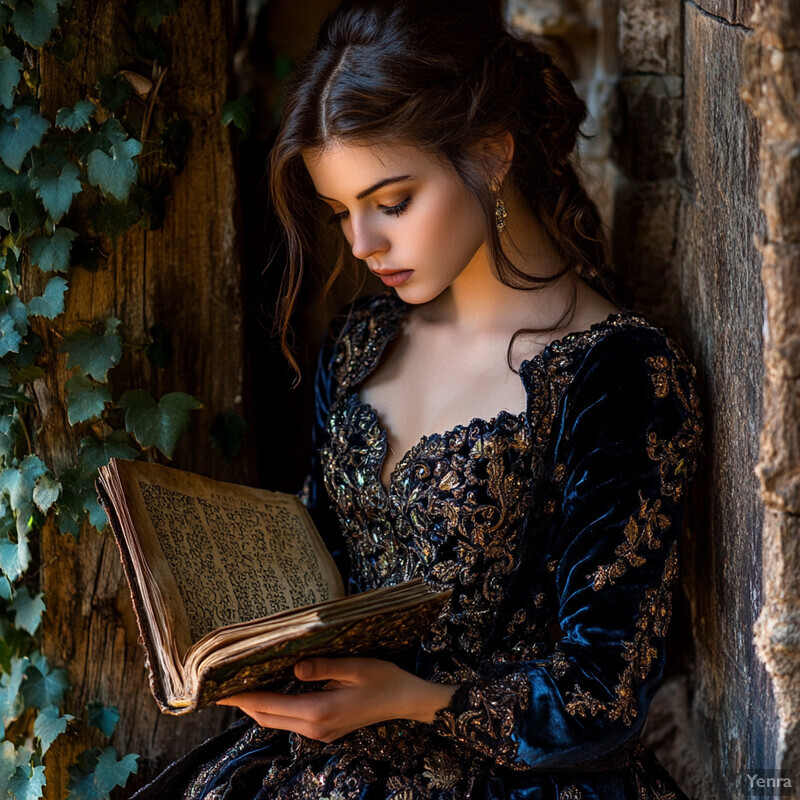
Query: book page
[231,553]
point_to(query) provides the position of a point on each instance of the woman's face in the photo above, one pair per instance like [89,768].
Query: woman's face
[401,209]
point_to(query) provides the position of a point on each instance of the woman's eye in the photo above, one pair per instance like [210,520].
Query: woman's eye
[396,211]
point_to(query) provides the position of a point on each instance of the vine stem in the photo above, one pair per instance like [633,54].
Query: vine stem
[151,104]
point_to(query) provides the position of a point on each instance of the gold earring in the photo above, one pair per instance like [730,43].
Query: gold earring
[500,213]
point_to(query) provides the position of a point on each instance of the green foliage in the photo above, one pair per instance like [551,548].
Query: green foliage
[56,187]
[76,117]
[239,112]
[85,399]
[51,303]
[157,423]
[105,718]
[115,174]
[95,453]
[50,725]
[54,175]
[10,69]
[93,353]
[51,253]
[21,129]
[44,686]
[98,772]
[34,22]
[28,609]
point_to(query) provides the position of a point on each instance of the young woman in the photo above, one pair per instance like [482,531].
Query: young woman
[493,422]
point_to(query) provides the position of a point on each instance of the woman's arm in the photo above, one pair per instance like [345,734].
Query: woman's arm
[627,436]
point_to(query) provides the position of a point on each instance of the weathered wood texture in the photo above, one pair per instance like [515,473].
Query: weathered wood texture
[187,277]
[722,302]
[772,89]
[686,221]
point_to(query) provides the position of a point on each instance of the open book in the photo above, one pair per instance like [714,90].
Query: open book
[232,585]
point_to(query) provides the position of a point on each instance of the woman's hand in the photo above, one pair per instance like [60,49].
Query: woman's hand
[359,692]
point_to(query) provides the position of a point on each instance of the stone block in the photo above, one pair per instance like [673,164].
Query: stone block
[650,37]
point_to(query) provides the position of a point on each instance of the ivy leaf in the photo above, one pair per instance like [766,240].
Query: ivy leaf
[14,557]
[114,91]
[95,453]
[96,513]
[28,610]
[51,302]
[46,492]
[13,326]
[111,132]
[43,686]
[10,69]
[156,10]
[9,336]
[239,112]
[27,783]
[22,129]
[23,202]
[116,174]
[103,717]
[34,24]
[107,773]
[8,764]
[49,726]
[56,188]
[10,684]
[77,117]
[158,424]
[93,354]
[113,219]
[51,253]
[85,400]
[17,483]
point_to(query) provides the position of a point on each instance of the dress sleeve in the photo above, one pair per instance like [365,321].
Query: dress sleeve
[627,434]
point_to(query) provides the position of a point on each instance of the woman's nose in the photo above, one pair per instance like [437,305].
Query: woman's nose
[367,240]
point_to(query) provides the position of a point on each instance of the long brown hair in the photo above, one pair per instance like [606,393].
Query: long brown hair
[446,76]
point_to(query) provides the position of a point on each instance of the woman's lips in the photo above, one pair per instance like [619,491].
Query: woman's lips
[396,278]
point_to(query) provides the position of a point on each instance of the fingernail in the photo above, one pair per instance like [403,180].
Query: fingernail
[303,669]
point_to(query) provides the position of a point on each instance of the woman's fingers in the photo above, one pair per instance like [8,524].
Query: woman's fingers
[346,670]
[312,706]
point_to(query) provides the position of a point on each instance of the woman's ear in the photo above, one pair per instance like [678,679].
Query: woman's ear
[497,153]
[505,153]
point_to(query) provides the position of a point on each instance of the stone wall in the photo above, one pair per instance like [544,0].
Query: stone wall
[700,157]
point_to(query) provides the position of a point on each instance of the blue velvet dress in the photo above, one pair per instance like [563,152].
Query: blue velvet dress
[558,531]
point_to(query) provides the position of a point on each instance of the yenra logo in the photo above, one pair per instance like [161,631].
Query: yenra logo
[757,782]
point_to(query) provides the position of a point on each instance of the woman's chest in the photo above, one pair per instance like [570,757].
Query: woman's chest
[455,500]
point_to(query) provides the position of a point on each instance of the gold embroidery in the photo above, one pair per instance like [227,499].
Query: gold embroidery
[653,617]
[455,513]
[641,530]
[570,793]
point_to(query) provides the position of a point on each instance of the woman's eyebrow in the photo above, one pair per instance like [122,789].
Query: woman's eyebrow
[368,192]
